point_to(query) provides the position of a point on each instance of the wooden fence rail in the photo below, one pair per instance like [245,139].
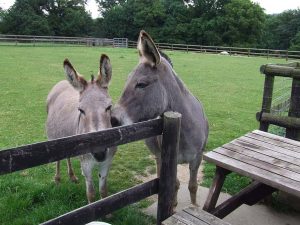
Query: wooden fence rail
[92,41]
[231,50]
[50,151]
[54,40]
[291,122]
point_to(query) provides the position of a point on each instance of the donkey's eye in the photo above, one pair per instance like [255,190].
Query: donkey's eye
[108,108]
[141,85]
[81,111]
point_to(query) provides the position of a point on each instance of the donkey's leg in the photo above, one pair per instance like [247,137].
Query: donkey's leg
[176,192]
[57,173]
[72,176]
[103,171]
[87,165]
[193,185]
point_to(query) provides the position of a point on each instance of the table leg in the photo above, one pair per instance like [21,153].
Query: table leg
[215,189]
[250,195]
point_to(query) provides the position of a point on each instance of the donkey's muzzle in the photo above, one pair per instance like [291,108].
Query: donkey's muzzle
[115,122]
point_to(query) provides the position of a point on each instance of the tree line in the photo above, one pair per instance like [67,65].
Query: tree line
[205,22]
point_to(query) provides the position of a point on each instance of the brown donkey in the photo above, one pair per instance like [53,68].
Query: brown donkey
[153,88]
[75,107]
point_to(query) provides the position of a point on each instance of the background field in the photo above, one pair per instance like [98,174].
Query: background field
[229,87]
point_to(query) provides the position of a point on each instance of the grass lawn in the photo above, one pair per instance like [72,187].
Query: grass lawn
[229,87]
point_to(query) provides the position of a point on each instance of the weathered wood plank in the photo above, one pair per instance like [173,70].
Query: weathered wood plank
[279,143]
[249,195]
[215,189]
[172,221]
[188,218]
[294,111]
[259,164]
[280,70]
[267,145]
[265,151]
[168,172]
[107,205]
[267,100]
[278,139]
[258,155]
[274,180]
[45,152]
[283,121]
[205,216]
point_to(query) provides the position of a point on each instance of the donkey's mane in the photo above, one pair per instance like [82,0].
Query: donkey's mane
[178,80]
[164,55]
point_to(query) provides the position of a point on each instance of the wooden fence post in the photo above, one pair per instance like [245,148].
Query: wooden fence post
[168,173]
[267,100]
[294,110]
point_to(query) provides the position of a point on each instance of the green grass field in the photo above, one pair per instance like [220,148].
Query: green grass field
[229,87]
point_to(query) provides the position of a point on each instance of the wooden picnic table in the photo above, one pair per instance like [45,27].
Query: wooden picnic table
[271,161]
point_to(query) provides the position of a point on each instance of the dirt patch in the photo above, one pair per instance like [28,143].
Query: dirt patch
[183,174]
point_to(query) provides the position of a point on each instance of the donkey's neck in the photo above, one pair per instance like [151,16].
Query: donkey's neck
[178,95]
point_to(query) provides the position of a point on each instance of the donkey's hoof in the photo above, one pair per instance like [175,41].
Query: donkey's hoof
[195,204]
[74,179]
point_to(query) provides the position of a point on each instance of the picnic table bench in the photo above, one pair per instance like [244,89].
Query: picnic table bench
[193,216]
[271,161]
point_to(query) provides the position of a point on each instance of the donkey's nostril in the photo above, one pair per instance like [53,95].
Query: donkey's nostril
[115,122]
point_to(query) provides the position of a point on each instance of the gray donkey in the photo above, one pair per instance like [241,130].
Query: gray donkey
[153,88]
[77,107]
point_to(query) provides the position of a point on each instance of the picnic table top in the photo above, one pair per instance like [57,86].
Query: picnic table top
[265,157]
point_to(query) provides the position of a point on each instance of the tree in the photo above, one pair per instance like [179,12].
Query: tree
[242,23]
[22,18]
[105,5]
[127,19]
[295,43]
[281,29]
[48,17]
[68,18]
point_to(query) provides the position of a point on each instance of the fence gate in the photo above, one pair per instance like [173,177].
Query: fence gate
[120,42]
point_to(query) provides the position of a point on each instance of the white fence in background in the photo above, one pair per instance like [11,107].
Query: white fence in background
[120,42]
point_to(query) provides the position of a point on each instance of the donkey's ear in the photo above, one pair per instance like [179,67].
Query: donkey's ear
[77,81]
[147,49]
[105,71]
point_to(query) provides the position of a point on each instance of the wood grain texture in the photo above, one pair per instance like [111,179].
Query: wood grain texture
[267,177]
[215,189]
[278,140]
[50,151]
[249,195]
[107,205]
[205,216]
[265,151]
[258,142]
[259,164]
[265,158]
[168,171]
[193,216]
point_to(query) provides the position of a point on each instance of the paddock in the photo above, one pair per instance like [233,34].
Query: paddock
[229,87]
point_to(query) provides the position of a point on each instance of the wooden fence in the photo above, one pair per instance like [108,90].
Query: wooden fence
[291,122]
[91,41]
[28,156]
[230,50]
[53,40]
